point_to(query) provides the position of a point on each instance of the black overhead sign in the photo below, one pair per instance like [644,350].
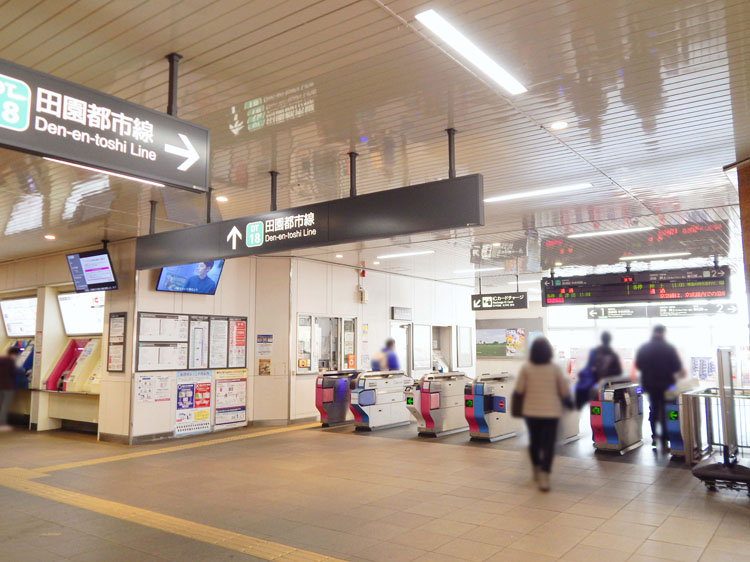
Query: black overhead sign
[660,310]
[47,116]
[499,301]
[642,286]
[438,205]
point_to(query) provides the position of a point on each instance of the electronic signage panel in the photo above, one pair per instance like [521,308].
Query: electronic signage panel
[199,278]
[642,286]
[82,313]
[19,317]
[92,271]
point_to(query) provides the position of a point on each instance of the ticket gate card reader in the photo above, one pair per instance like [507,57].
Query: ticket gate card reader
[378,400]
[436,400]
[617,416]
[673,406]
[487,408]
[333,396]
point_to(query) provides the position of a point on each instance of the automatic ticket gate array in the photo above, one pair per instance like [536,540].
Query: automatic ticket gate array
[617,416]
[333,396]
[487,408]
[378,399]
[436,400]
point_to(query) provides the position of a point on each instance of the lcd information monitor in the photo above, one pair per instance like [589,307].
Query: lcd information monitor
[92,271]
[82,313]
[200,278]
[19,317]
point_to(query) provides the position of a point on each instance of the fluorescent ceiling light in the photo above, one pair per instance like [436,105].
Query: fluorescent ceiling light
[221,199]
[480,270]
[405,254]
[339,255]
[538,192]
[461,44]
[655,256]
[558,125]
[50,237]
[608,232]
[376,263]
[100,171]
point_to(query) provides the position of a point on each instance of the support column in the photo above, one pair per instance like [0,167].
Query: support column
[743,182]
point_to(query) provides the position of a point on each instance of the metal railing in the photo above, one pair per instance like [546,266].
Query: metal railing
[701,422]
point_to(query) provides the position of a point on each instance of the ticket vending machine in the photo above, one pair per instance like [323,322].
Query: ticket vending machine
[333,396]
[617,416]
[674,423]
[378,400]
[77,368]
[436,400]
[487,408]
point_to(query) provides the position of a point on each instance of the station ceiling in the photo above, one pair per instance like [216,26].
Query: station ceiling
[656,95]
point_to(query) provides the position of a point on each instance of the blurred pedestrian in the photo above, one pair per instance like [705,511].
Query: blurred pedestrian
[8,372]
[659,365]
[603,363]
[543,387]
[386,359]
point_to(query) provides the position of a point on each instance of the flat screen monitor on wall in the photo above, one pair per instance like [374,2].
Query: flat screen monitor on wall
[92,271]
[199,278]
[19,317]
[82,313]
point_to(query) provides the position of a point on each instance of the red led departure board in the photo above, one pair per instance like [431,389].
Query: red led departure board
[642,286]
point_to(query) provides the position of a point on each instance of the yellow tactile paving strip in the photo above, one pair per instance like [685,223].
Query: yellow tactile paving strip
[24,480]
[175,448]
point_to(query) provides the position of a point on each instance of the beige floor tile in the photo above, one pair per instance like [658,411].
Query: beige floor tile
[423,539]
[533,514]
[473,551]
[644,558]
[498,537]
[431,509]
[670,551]
[626,529]
[514,555]
[690,532]
[469,516]
[512,523]
[613,542]
[730,545]
[640,517]
[408,520]
[437,557]
[550,529]
[446,527]
[588,553]
[578,521]
[713,554]
[735,528]
[593,510]
[390,552]
[555,546]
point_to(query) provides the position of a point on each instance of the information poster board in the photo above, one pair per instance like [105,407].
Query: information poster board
[162,356]
[152,388]
[264,349]
[219,343]
[116,342]
[237,343]
[231,398]
[163,327]
[193,413]
[199,342]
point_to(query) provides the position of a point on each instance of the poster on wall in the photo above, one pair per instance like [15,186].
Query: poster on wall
[237,343]
[515,342]
[231,398]
[152,388]
[154,326]
[193,413]
[219,348]
[199,338]
[116,342]
[264,349]
[162,356]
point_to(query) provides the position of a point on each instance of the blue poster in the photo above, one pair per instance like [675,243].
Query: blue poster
[185,396]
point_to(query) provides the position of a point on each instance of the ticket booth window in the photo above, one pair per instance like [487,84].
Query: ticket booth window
[350,343]
[326,343]
[304,343]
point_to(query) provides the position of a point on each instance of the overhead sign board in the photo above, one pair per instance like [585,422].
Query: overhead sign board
[438,205]
[660,310]
[499,301]
[47,116]
[612,312]
[641,286]
[400,313]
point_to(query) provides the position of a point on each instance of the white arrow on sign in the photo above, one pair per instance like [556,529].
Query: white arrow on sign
[234,234]
[188,153]
[477,303]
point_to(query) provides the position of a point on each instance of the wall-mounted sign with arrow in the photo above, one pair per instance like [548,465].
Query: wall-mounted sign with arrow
[51,117]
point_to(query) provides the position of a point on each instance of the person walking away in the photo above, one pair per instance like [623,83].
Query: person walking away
[386,359]
[543,387]
[605,363]
[659,364]
[8,371]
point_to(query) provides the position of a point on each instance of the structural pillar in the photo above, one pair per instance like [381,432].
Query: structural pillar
[743,182]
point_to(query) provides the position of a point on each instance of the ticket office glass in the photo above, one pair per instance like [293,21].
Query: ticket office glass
[325,343]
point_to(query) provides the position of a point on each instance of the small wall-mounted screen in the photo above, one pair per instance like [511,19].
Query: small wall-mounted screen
[19,317]
[92,271]
[82,314]
[200,278]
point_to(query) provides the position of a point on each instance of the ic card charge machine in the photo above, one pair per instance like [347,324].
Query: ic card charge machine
[437,403]
[487,408]
[378,400]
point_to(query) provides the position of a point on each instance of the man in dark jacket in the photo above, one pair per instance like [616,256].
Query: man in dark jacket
[659,364]
[603,363]
[8,372]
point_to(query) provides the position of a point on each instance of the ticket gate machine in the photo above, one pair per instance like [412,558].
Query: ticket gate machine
[333,396]
[78,367]
[487,408]
[378,400]
[673,407]
[617,416]
[436,400]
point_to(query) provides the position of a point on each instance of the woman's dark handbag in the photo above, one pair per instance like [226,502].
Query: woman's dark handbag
[516,405]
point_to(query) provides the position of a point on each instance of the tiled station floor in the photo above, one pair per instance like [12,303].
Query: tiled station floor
[318,494]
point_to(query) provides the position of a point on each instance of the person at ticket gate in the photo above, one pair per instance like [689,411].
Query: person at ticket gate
[603,363]
[8,372]
[659,365]
[386,359]
[543,387]
[201,282]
